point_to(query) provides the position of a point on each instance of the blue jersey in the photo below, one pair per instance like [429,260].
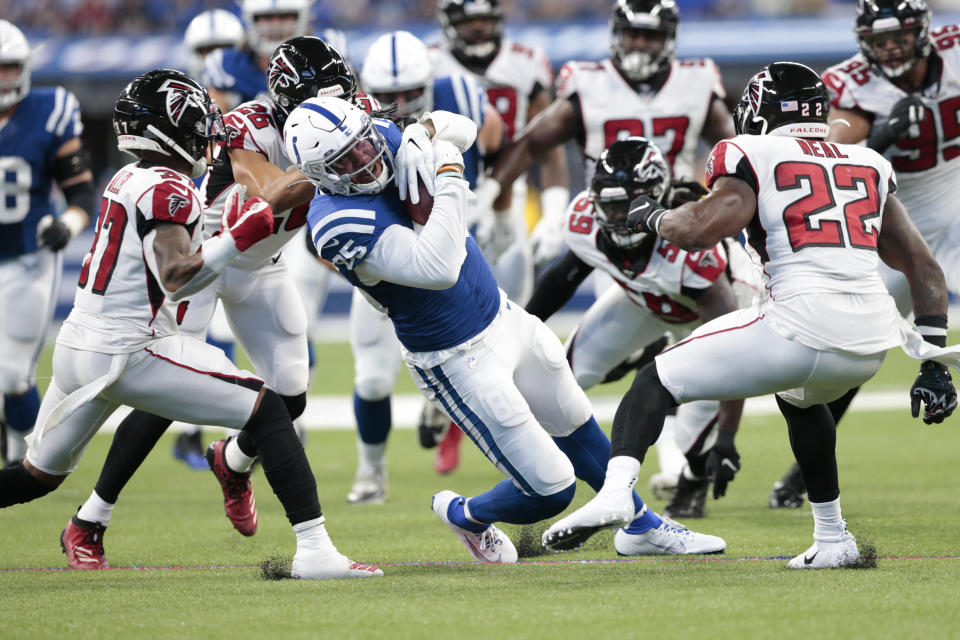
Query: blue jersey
[42,122]
[237,71]
[346,228]
[462,95]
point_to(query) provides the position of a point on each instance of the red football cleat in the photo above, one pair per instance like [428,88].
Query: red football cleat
[82,541]
[238,499]
[448,452]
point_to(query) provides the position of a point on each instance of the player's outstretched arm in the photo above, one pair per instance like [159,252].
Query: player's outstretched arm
[848,126]
[557,285]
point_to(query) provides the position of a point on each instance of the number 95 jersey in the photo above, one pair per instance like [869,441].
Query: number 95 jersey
[927,157]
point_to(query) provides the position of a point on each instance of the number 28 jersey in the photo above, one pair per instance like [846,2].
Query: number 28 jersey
[819,210]
[927,157]
[120,305]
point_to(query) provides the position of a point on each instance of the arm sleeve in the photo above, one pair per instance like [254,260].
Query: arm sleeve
[557,285]
[432,258]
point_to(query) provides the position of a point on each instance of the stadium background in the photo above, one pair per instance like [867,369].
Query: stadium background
[93,47]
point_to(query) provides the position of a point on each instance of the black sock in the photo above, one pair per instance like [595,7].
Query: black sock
[295,405]
[813,438]
[283,459]
[698,464]
[17,485]
[639,418]
[134,439]
[839,406]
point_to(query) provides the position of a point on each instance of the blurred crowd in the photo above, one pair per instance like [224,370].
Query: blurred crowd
[91,17]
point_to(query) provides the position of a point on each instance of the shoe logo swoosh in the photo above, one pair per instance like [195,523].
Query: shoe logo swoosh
[809,560]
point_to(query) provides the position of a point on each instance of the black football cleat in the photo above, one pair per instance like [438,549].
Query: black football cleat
[689,499]
[789,491]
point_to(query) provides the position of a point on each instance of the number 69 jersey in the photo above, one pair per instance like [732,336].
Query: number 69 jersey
[927,157]
[120,305]
[819,209]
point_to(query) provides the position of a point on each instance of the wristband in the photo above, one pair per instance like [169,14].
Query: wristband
[218,251]
[933,328]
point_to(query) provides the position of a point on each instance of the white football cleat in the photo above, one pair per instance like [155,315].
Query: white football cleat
[327,565]
[609,508]
[669,539]
[491,545]
[369,487]
[837,554]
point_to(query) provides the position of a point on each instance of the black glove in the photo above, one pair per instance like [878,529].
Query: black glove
[934,387]
[644,215]
[55,236]
[723,462]
[907,111]
[684,192]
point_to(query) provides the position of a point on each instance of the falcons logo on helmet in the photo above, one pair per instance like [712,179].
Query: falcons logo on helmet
[180,95]
[282,73]
[755,91]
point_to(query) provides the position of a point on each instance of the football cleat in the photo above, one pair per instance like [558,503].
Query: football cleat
[432,425]
[611,508]
[238,499]
[663,485]
[490,545]
[188,447]
[329,565]
[369,487]
[448,453]
[789,491]
[689,499]
[82,541]
[669,539]
[836,554]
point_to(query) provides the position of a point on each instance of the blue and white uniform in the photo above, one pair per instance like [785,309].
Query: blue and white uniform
[237,73]
[496,370]
[29,275]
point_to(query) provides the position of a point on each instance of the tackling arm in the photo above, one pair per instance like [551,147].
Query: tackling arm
[848,126]
[557,285]
[719,123]
[269,182]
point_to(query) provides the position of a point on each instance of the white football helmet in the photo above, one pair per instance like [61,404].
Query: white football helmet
[335,145]
[397,70]
[210,30]
[264,38]
[14,49]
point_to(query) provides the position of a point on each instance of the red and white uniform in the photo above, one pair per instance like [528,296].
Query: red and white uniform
[120,344]
[510,80]
[926,159]
[673,116]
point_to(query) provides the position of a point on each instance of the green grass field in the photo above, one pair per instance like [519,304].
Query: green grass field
[899,485]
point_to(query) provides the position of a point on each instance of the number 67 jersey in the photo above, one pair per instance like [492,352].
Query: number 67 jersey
[819,209]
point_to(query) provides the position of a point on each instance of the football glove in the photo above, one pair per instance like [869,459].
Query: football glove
[933,387]
[246,222]
[447,158]
[415,157]
[907,111]
[53,233]
[723,463]
[645,215]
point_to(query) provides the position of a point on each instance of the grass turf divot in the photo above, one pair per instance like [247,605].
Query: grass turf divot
[275,568]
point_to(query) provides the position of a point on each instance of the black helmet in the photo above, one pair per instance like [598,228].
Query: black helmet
[307,67]
[884,19]
[626,169]
[784,97]
[168,112]
[453,12]
[649,15]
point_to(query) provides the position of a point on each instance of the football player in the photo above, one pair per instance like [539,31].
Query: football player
[661,289]
[518,80]
[258,296]
[497,370]
[901,95]
[120,345]
[828,321]
[397,70]
[39,145]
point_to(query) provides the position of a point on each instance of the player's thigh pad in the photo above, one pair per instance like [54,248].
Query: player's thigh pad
[476,390]
[267,316]
[694,424]
[376,350]
[200,311]
[184,379]
[833,375]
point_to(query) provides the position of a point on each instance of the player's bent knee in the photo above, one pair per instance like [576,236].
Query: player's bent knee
[555,503]
[295,404]
[22,486]
[374,388]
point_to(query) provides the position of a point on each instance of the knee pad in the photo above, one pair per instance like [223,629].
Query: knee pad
[375,388]
[12,380]
[295,404]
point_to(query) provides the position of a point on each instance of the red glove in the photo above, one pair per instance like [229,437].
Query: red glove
[247,223]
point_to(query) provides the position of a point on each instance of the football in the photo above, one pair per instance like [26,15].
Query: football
[419,212]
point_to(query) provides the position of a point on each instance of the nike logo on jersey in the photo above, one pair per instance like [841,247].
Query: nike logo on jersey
[331,244]
[809,560]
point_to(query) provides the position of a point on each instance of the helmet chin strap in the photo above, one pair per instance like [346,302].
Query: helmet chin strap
[197,167]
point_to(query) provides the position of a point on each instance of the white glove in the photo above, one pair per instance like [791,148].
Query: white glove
[546,241]
[447,155]
[494,234]
[452,127]
[415,158]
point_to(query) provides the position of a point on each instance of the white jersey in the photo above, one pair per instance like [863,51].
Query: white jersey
[511,79]
[819,210]
[927,158]
[654,280]
[253,126]
[672,116]
[120,305]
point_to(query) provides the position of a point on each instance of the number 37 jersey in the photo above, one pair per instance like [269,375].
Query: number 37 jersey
[819,210]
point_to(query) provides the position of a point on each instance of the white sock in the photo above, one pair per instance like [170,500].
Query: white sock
[371,457]
[236,459]
[622,472]
[828,525]
[16,444]
[96,509]
[312,536]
